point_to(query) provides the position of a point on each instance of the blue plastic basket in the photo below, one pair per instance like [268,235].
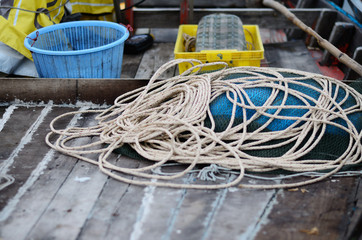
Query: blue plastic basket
[82,49]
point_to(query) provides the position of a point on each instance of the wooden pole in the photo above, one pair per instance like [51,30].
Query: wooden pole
[342,57]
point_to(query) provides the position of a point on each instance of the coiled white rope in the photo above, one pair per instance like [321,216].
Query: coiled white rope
[165,121]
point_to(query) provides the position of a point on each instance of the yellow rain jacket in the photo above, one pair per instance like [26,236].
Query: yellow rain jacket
[18,18]
[92,6]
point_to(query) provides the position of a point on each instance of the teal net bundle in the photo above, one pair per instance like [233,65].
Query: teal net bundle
[243,119]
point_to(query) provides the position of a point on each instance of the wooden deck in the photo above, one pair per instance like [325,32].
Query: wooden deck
[57,197]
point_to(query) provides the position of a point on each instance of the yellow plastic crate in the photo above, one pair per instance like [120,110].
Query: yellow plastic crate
[232,57]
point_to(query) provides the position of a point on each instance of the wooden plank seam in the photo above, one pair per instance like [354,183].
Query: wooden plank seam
[253,230]
[25,140]
[9,208]
[143,212]
[175,211]
[216,205]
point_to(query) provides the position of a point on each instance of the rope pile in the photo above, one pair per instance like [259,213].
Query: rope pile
[215,118]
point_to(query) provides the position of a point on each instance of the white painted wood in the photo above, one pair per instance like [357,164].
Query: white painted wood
[143,212]
[242,213]
[25,139]
[32,200]
[70,207]
[6,116]
[165,207]
[107,208]
[125,214]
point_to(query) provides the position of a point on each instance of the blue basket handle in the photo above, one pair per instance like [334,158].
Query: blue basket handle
[128,27]
[34,39]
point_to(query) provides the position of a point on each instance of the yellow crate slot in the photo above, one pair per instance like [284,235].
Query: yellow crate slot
[233,58]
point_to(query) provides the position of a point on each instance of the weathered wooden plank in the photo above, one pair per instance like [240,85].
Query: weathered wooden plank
[24,211]
[30,149]
[213,214]
[15,128]
[159,210]
[164,206]
[154,58]
[134,212]
[165,35]
[322,206]
[146,212]
[13,137]
[106,90]
[194,214]
[354,229]
[293,55]
[130,65]
[125,207]
[272,35]
[70,207]
[27,89]
[265,18]
[93,90]
[125,215]
[109,208]
[241,213]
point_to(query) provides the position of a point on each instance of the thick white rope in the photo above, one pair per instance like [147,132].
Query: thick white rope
[165,121]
